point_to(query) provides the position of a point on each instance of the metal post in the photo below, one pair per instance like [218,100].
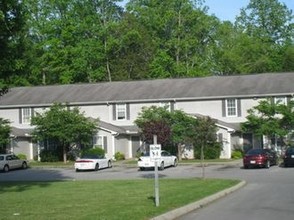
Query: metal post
[156,176]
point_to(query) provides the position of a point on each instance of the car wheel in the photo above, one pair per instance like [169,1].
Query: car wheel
[175,162]
[285,165]
[245,167]
[6,168]
[96,167]
[161,167]
[109,164]
[267,164]
[77,170]
[24,165]
[142,168]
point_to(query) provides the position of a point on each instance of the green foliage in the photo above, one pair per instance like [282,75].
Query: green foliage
[67,126]
[4,133]
[237,154]
[210,151]
[119,156]
[94,151]
[49,156]
[22,156]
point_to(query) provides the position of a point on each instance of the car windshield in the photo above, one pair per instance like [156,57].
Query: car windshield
[92,156]
[255,151]
[290,151]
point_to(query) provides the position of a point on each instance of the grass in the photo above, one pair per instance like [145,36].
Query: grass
[107,199]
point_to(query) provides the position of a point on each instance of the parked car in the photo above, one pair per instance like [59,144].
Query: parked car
[260,158]
[11,161]
[92,162]
[289,157]
[165,160]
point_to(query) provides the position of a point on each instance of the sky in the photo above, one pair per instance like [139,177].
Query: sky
[229,9]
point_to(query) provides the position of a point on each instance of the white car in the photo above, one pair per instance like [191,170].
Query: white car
[165,160]
[11,161]
[92,162]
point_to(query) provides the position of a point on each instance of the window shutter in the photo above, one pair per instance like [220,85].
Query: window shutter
[32,112]
[128,111]
[239,107]
[20,116]
[172,106]
[289,100]
[114,112]
[224,107]
[105,144]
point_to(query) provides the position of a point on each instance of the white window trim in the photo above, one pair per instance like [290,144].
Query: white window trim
[164,104]
[26,118]
[101,138]
[236,108]
[123,109]
[283,98]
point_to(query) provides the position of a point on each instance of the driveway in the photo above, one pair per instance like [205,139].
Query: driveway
[268,195]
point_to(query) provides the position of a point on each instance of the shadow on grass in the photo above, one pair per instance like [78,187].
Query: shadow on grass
[21,180]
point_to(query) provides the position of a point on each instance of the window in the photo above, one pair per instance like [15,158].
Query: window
[280,100]
[100,141]
[26,114]
[121,111]
[231,107]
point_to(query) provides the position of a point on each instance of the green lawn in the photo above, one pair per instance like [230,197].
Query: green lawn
[109,199]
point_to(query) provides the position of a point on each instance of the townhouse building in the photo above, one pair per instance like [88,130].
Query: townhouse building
[117,104]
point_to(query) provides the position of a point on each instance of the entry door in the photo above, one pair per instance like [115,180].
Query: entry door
[135,145]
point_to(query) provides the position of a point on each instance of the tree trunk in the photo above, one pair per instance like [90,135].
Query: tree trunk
[64,154]
[179,151]
[202,161]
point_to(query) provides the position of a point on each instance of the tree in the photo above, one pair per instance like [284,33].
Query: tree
[67,127]
[181,129]
[263,119]
[286,113]
[155,121]
[269,24]
[13,62]
[170,126]
[204,136]
[4,133]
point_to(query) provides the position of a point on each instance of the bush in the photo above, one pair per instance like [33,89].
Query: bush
[49,156]
[94,151]
[210,151]
[237,154]
[119,156]
[22,156]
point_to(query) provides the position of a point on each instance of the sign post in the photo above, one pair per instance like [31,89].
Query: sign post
[155,154]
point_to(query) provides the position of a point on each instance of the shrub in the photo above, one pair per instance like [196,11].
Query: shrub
[49,156]
[210,151]
[119,156]
[94,151]
[22,156]
[237,154]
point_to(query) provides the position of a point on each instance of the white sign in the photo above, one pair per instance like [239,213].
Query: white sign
[155,151]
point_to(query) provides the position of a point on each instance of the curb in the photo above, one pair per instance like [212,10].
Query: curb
[199,204]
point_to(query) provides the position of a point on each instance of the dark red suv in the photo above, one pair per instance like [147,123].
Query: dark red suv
[260,158]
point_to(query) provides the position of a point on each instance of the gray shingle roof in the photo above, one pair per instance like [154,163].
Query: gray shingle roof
[147,90]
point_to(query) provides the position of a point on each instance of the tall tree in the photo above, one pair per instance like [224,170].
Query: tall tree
[73,39]
[181,30]
[269,25]
[13,63]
